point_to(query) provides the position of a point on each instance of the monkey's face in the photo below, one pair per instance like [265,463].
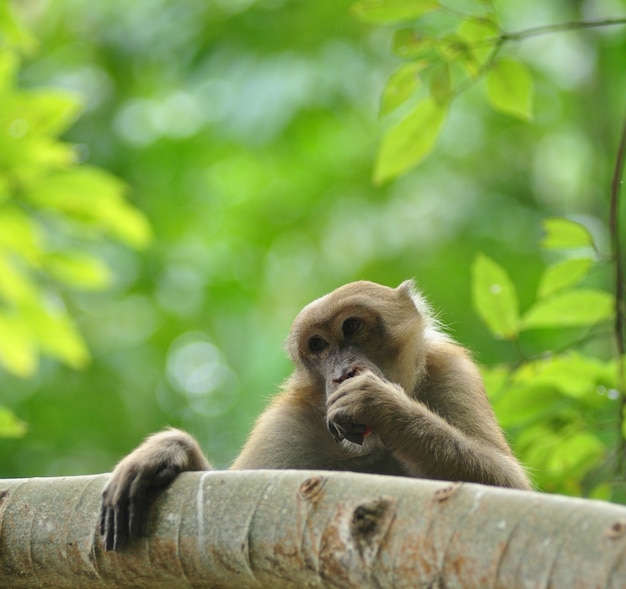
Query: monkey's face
[358,327]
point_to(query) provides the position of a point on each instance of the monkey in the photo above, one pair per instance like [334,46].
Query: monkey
[377,387]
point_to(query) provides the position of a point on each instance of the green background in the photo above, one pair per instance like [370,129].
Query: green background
[247,133]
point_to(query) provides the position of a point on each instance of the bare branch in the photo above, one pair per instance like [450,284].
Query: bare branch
[620,313]
[561,27]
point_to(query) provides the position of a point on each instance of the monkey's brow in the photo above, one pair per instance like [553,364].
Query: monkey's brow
[343,312]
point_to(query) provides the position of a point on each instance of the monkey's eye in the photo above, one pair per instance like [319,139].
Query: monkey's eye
[351,326]
[317,344]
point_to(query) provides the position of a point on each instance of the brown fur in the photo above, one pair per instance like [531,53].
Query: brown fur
[382,367]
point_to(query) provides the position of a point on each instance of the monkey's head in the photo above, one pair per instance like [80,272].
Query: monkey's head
[361,326]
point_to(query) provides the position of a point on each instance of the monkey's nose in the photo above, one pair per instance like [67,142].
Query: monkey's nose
[346,373]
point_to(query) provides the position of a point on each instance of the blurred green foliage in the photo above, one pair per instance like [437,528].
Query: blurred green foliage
[248,133]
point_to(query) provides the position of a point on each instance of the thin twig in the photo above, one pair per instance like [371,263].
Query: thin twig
[620,311]
[568,26]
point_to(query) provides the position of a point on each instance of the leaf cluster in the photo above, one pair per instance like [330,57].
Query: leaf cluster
[553,403]
[53,211]
[439,64]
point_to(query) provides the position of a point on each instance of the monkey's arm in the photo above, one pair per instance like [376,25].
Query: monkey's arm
[449,432]
[151,466]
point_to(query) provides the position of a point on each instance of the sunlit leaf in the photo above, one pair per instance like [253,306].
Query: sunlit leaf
[48,112]
[510,88]
[19,234]
[522,405]
[78,269]
[563,234]
[495,297]
[386,11]
[16,286]
[603,492]
[440,84]
[576,453]
[495,379]
[478,30]
[535,442]
[14,34]
[411,44]
[8,67]
[452,48]
[410,141]
[572,374]
[575,308]
[93,196]
[480,36]
[401,86]
[18,351]
[57,335]
[563,275]
[10,425]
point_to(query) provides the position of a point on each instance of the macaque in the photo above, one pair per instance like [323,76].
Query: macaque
[377,387]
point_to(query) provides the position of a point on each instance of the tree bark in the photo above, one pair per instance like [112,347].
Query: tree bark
[284,529]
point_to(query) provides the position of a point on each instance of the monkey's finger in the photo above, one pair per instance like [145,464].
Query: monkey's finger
[136,505]
[103,517]
[335,431]
[108,534]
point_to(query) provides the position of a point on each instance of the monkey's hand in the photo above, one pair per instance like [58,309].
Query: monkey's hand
[362,404]
[152,466]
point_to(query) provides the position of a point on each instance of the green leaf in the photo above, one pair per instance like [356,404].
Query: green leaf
[523,405]
[411,44]
[410,141]
[18,350]
[57,335]
[495,297]
[440,84]
[93,196]
[495,379]
[16,286]
[14,34]
[563,234]
[480,36]
[10,425]
[574,308]
[49,112]
[8,67]
[387,11]
[572,374]
[78,269]
[562,275]
[19,234]
[603,492]
[510,89]
[400,86]
[479,31]
[576,453]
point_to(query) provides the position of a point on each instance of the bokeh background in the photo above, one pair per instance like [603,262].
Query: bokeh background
[246,132]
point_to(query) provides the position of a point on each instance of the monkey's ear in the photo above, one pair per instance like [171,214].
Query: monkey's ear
[408,288]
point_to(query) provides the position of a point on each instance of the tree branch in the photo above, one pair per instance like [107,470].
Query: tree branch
[569,26]
[293,529]
[620,312]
